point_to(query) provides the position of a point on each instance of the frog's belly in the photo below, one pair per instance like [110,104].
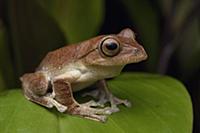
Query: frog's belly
[81,85]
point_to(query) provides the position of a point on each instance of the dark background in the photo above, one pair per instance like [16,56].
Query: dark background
[168,29]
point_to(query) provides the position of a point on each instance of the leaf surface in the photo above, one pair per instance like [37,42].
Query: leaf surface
[160,105]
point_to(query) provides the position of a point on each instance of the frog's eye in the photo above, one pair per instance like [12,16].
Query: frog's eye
[110,47]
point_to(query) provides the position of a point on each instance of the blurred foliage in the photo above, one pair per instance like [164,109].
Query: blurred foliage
[33,33]
[78,20]
[7,78]
[189,51]
[41,26]
[2,84]
[147,21]
[182,9]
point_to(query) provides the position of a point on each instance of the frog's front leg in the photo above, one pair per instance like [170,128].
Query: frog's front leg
[63,94]
[35,86]
[104,95]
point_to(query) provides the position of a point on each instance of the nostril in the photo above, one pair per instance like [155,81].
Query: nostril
[136,51]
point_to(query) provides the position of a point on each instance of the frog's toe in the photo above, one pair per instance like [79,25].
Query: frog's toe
[127,103]
[61,108]
[98,114]
[92,103]
[114,109]
[116,101]
[100,111]
[101,118]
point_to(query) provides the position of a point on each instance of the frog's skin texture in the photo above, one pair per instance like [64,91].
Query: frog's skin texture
[76,67]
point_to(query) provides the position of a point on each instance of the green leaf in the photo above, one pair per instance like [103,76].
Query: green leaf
[146,19]
[160,104]
[79,20]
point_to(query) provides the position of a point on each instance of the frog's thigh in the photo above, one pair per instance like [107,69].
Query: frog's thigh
[37,83]
[61,86]
[63,93]
[35,86]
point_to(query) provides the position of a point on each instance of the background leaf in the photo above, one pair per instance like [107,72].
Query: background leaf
[37,27]
[147,21]
[79,20]
[33,33]
[191,45]
[6,67]
[175,12]
[160,104]
[182,9]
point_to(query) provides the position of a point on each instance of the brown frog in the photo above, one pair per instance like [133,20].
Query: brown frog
[76,67]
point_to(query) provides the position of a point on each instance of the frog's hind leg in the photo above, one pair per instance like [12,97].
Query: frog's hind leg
[35,86]
[97,94]
[64,95]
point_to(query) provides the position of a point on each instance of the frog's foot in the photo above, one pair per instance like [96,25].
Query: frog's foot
[106,96]
[92,103]
[97,114]
[114,101]
[60,107]
[97,94]
[53,102]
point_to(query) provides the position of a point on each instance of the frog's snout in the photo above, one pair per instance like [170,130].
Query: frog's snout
[136,51]
[140,53]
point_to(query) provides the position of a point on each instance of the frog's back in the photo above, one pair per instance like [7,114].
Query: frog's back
[58,58]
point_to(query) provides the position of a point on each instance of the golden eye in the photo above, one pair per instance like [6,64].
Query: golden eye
[110,47]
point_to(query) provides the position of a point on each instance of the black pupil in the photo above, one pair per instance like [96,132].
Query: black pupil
[111,46]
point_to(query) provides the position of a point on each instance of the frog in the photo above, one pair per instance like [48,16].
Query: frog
[75,67]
